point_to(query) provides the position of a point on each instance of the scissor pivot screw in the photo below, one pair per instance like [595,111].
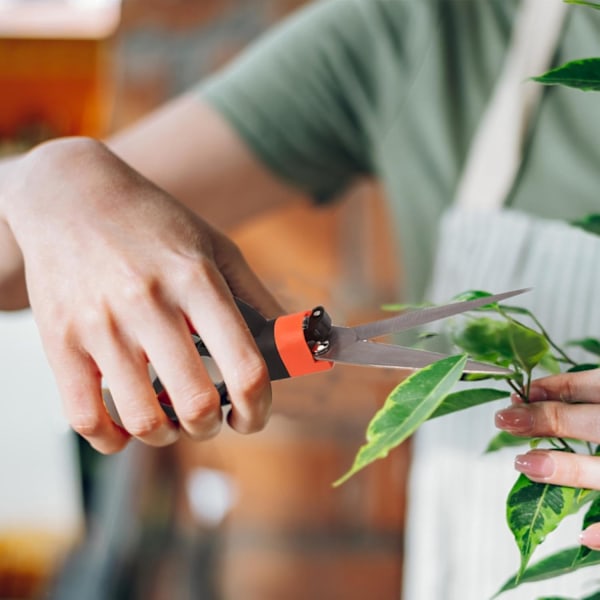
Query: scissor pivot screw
[320,348]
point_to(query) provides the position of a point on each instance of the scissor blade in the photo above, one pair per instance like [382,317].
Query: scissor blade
[375,354]
[414,318]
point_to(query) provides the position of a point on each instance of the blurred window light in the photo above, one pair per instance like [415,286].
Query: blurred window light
[59,18]
[211,494]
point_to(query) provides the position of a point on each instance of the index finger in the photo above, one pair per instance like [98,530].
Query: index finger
[583,386]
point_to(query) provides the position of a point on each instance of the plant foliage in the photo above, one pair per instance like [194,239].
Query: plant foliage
[409,405]
[533,510]
[493,333]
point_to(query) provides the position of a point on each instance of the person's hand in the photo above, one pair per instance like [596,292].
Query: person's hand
[564,406]
[118,273]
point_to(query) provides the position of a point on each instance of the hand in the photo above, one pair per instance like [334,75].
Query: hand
[565,406]
[118,273]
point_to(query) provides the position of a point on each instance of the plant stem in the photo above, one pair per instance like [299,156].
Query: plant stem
[565,445]
[518,390]
[543,331]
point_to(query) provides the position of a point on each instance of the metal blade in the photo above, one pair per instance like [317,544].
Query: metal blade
[414,318]
[374,354]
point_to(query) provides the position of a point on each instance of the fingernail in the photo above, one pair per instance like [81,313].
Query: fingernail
[536,465]
[515,419]
[590,537]
[537,394]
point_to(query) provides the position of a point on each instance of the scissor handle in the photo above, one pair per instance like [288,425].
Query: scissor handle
[287,343]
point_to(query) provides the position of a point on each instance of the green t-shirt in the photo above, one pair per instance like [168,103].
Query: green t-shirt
[395,89]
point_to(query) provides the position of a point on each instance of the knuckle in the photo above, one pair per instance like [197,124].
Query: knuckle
[553,418]
[88,425]
[139,289]
[250,378]
[143,425]
[570,391]
[60,342]
[199,406]
[192,270]
[95,319]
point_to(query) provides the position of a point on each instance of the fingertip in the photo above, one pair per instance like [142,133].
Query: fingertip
[590,537]
[538,465]
[110,444]
[516,398]
[517,420]
[254,417]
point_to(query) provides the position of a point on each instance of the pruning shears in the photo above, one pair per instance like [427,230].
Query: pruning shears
[307,342]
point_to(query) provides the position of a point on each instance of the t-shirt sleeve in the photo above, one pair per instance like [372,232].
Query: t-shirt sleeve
[301,97]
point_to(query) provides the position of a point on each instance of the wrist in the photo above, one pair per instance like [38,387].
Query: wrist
[29,177]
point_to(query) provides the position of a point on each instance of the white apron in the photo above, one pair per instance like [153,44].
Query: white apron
[458,546]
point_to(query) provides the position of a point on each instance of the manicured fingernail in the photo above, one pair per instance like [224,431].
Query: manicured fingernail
[515,419]
[537,394]
[590,537]
[536,465]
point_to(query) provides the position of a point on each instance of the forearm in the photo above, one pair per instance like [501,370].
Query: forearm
[190,151]
[13,292]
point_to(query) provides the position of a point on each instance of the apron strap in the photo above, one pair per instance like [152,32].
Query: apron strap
[496,150]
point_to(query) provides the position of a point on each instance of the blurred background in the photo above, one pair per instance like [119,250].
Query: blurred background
[237,518]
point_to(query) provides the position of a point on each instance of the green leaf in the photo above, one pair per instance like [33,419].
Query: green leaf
[409,405]
[583,3]
[399,307]
[560,563]
[517,310]
[528,345]
[583,367]
[582,74]
[533,510]
[487,340]
[594,596]
[590,223]
[591,345]
[502,342]
[591,516]
[475,295]
[467,399]
[505,440]
[550,364]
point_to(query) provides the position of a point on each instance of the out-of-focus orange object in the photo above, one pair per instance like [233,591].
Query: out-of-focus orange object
[56,68]
[56,79]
